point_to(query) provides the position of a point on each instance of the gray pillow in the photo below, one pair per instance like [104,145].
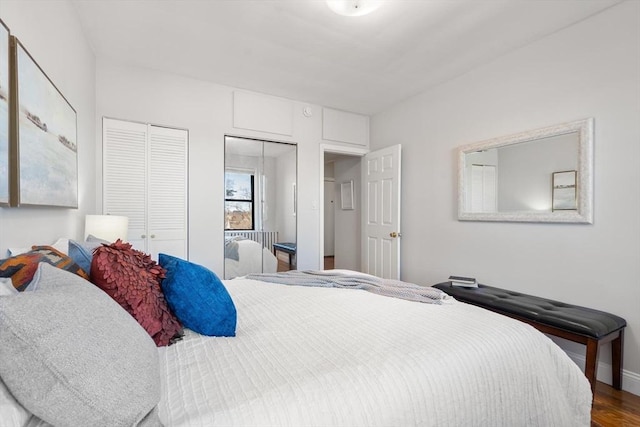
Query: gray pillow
[73,357]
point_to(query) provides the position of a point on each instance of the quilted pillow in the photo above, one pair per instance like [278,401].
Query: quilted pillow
[21,268]
[132,278]
[72,357]
[198,297]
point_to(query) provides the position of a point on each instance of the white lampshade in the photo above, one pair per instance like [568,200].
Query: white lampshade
[353,7]
[107,227]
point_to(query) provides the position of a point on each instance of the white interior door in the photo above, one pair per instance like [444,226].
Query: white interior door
[381,171]
[125,175]
[484,188]
[167,191]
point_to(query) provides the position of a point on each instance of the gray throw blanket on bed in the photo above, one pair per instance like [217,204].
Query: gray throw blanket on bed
[329,279]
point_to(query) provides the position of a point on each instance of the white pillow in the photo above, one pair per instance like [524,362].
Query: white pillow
[12,413]
[6,288]
[17,251]
[62,245]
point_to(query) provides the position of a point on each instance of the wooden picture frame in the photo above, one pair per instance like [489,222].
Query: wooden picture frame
[4,114]
[43,158]
[564,197]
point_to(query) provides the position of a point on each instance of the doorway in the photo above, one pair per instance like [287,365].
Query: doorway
[341,220]
[379,209]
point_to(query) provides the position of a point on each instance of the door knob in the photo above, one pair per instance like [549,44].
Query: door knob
[394,234]
[153,236]
[143,236]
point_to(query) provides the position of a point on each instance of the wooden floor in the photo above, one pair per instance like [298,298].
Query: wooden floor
[329,262]
[614,408]
[283,266]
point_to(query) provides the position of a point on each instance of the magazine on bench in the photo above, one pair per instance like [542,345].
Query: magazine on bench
[466,282]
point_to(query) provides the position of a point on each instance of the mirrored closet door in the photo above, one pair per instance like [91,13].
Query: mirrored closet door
[259,206]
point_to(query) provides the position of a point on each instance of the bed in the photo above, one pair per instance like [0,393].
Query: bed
[293,355]
[309,356]
[243,256]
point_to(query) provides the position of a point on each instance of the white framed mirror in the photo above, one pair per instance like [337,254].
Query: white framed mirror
[511,178]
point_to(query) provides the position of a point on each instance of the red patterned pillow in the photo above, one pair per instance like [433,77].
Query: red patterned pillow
[132,278]
[21,268]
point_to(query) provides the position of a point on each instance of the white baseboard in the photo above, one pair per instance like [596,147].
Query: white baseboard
[630,380]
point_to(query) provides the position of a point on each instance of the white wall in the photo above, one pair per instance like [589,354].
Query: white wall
[50,31]
[347,222]
[271,197]
[591,69]
[525,171]
[206,109]
[285,178]
[329,216]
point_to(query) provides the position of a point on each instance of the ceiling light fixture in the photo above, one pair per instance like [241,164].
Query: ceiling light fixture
[354,7]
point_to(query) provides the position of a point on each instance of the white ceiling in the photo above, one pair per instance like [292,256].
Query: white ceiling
[301,50]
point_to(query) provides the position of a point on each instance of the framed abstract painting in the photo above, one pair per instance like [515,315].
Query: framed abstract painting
[4,114]
[43,138]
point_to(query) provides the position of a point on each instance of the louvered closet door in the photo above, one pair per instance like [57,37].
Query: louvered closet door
[145,179]
[167,195]
[125,176]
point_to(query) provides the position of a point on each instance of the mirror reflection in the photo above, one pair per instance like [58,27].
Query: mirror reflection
[542,175]
[518,177]
[259,206]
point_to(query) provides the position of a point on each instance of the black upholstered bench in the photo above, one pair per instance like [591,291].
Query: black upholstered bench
[579,324]
[287,247]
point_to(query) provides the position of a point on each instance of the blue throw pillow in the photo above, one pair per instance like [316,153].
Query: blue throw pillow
[198,298]
[82,252]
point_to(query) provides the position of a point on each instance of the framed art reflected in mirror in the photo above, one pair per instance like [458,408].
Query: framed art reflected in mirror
[564,191]
[346,195]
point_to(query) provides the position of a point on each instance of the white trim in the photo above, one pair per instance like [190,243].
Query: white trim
[630,380]
[233,169]
[339,149]
[342,149]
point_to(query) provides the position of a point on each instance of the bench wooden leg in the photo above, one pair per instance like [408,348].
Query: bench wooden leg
[591,364]
[616,360]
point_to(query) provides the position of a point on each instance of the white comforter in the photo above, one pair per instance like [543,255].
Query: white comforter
[321,357]
[252,258]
